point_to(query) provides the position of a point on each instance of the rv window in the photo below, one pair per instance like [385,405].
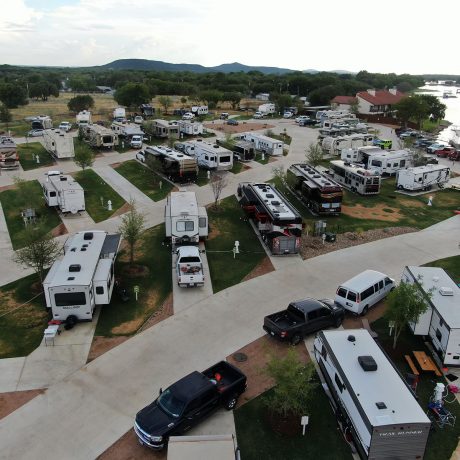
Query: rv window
[388,165]
[225,159]
[438,334]
[367,293]
[376,163]
[202,222]
[185,226]
[324,353]
[351,296]
[441,322]
[52,193]
[339,383]
[342,292]
[99,290]
[402,163]
[64,299]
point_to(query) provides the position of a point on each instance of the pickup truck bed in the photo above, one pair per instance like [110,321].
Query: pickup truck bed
[284,319]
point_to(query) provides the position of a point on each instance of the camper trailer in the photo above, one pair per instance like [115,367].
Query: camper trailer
[83,118]
[147,110]
[199,110]
[375,408]
[125,129]
[422,177]
[9,157]
[190,128]
[208,156]
[335,145]
[322,195]
[42,122]
[58,143]
[355,178]
[267,109]
[99,137]
[441,320]
[264,144]
[83,278]
[360,154]
[175,165]
[185,221]
[161,128]
[277,221]
[64,192]
[388,163]
[119,114]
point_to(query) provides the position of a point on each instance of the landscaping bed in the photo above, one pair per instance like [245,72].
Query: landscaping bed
[27,156]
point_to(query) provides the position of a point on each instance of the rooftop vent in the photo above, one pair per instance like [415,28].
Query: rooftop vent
[446,291]
[63,178]
[381,405]
[88,236]
[74,268]
[367,363]
[351,338]
[270,195]
[73,249]
[83,249]
[276,203]
[70,278]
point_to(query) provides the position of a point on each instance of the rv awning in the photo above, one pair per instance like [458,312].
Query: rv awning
[111,244]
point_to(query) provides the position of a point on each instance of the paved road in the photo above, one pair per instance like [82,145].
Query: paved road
[86,412]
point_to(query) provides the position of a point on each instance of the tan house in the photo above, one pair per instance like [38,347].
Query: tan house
[372,101]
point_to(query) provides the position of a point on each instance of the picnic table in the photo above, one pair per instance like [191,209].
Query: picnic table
[426,363]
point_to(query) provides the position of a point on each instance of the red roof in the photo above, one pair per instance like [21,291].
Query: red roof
[344,100]
[382,97]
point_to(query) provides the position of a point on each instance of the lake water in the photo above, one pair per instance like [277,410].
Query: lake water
[452,103]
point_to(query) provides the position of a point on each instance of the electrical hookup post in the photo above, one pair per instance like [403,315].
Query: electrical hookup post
[136,291]
[236,249]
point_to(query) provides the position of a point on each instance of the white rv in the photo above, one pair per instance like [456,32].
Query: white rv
[63,191]
[200,110]
[99,136]
[126,129]
[83,118]
[208,156]
[264,144]
[59,143]
[422,177]
[441,321]
[161,128]
[335,145]
[189,267]
[42,122]
[374,407]
[191,128]
[119,114]
[185,221]
[360,154]
[83,278]
[267,109]
[388,163]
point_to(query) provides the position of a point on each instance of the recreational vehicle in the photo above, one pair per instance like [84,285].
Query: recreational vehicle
[200,110]
[422,177]
[375,408]
[42,122]
[59,143]
[335,145]
[355,177]
[161,128]
[173,164]
[264,144]
[125,129]
[389,163]
[267,109]
[190,128]
[83,278]
[185,221]
[441,320]
[147,110]
[244,151]
[360,154]
[9,157]
[211,156]
[83,118]
[277,221]
[64,192]
[99,136]
[119,114]
[322,195]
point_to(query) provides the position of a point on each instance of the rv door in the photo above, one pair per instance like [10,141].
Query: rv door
[202,223]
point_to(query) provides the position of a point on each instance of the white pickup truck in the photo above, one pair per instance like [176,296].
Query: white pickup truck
[189,267]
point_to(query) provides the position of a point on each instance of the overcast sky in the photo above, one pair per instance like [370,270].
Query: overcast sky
[403,36]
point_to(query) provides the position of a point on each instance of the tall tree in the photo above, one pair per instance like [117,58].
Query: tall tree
[412,108]
[84,157]
[13,94]
[132,94]
[5,115]
[314,154]
[81,102]
[165,102]
[131,228]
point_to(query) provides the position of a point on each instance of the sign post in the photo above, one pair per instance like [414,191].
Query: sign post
[304,423]
[136,291]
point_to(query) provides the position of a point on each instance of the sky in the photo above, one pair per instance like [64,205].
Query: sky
[403,36]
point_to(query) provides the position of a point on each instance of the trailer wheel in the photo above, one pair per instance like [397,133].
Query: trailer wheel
[231,402]
[296,340]
[365,310]
[71,320]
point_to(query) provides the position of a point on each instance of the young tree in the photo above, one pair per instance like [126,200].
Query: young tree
[405,304]
[279,174]
[81,102]
[314,154]
[84,157]
[218,183]
[5,115]
[131,228]
[165,102]
[39,252]
[294,385]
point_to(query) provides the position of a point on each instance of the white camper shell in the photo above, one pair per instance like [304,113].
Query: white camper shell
[189,267]
[185,221]
[83,118]
[361,292]
[208,156]
[441,321]
[63,191]
[59,143]
[422,177]
[83,278]
[264,144]
[372,403]
[190,127]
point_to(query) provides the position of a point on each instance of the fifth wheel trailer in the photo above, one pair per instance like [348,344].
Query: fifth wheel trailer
[373,405]
[422,177]
[59,143]
[63,191]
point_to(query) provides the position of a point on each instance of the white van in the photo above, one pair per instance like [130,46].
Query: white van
[363,291]
[136,142]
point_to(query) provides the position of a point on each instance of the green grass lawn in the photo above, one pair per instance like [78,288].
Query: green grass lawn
[18,128]
[13,203]
[322,440]
[21,331]
[95,188]
[237,167]
[258,158]
[227,224]
[27,156]
[202,178]
[145,180]
[451,265]
[125,318]
[404,210]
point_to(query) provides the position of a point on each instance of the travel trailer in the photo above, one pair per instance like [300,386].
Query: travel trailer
[441,321]
[99,137]
[388,163]
[355,178]
[161,128]
[83,118]
[264,144]
[185,221]
[190,128]
[83,278]
[267,109]
[375,408]
[422,177]
[199,110]
[125,129]
[119,114]
[59,143]
[277,221]
[208,156]
[42,122]
[319,192]
[335,145]
[9,157]
[64,192]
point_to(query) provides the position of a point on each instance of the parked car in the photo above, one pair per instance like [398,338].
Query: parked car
[444,151]
[423,142]
[188,116]
[435,146]
[454,156]
[408,133]
[136,141]
[303,317]
[427,160]
[258,115]
[35,133]
[232,122]
[140,156]
[223,116]
[187,402]
[288,115]
[65,126]
[309,122]
[301,118]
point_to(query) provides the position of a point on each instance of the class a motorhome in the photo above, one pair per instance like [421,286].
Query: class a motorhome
[185,221]
[99,137]
[374,407]
[9,157]
[355,177]
[59,143]
[208,156]
[42,122]
[83,278]
[441,320]
[83,118]
[64,192]
[422,177]
[264,144]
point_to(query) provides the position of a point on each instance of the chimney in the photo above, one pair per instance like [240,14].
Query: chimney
[393,91]
[371,92]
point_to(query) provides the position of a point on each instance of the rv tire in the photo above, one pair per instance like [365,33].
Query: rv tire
[365,310]
[71,320]
[296,340]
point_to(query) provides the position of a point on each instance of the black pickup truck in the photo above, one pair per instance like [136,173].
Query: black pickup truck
[303,317]
[187,402]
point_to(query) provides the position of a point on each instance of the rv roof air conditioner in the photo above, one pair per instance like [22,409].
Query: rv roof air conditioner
[381,405]
[351,338]
[74,268]
[446,291]
[367,363]
[88,236]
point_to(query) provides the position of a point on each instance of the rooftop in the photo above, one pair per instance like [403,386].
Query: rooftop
[381,97]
